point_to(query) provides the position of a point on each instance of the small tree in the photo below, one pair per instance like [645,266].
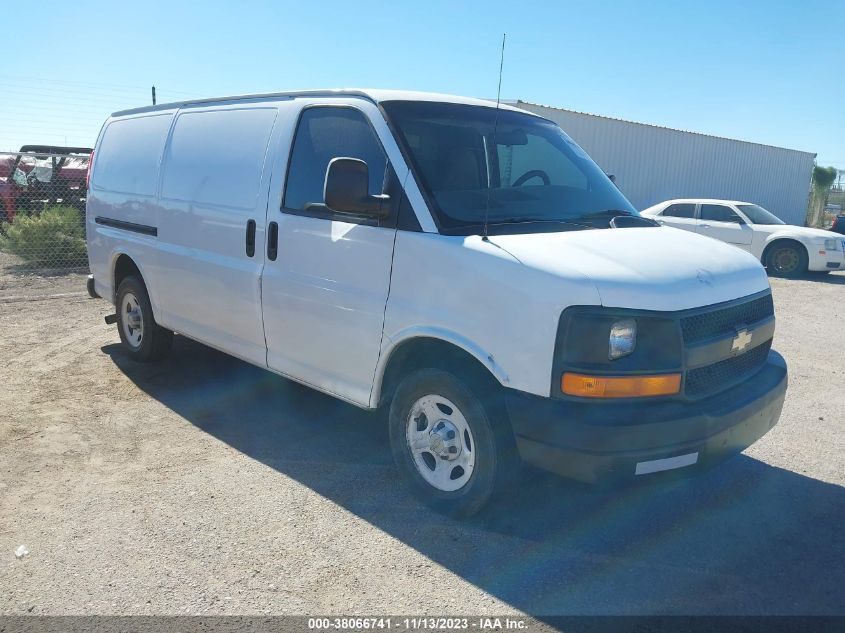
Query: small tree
[53,239]
[823,178]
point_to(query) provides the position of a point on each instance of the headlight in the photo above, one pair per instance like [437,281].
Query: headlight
[623,338]
[830,245]
[593,340]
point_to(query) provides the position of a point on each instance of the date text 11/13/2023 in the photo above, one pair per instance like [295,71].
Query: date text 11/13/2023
[418,623]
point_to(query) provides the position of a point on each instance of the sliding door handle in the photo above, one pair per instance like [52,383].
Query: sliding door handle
[250,238]
[272,241]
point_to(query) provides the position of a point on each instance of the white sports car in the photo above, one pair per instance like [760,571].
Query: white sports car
[784,249]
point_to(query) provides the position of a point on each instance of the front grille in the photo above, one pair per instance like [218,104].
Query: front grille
[719,376]
[700,327]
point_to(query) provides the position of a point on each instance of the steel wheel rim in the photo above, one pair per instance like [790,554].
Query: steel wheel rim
[441,443]
[786,260]
[132,320]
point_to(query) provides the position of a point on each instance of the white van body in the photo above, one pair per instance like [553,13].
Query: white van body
[331,300]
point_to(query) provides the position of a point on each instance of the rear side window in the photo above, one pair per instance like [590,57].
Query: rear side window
[129,154]
[216,157]
[680,210]
[324,133]
[718,213]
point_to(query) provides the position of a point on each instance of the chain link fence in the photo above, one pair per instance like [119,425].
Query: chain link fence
[42,221]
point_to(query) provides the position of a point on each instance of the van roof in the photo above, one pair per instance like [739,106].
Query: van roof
[374,95]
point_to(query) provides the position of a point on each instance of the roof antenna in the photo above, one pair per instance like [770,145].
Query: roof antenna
[495,126]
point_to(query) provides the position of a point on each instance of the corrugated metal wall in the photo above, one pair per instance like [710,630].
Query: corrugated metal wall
[652,164]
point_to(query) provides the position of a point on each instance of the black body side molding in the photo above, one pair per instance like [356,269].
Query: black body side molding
[127,226]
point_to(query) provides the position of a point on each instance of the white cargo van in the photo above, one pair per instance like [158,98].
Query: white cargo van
[468,268]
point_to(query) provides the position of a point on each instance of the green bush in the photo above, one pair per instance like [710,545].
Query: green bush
[55,238]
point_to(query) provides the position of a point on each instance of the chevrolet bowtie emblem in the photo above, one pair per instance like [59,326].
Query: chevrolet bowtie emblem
[741,340]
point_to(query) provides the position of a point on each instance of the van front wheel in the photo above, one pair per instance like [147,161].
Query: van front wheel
[442,439]
[143,338]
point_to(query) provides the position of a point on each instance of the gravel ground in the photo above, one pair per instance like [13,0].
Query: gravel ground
[18,280]
[205,485]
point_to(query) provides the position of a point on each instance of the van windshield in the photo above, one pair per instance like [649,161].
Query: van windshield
[529,169]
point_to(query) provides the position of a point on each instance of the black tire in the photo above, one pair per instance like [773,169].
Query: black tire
[788,260]
[155,341]
[495,460]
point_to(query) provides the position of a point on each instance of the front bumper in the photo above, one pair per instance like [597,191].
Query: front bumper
[595,441]
[830,260]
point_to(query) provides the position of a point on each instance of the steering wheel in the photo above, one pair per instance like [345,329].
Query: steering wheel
[534,173]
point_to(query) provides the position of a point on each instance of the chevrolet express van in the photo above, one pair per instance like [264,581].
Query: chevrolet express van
[467,268]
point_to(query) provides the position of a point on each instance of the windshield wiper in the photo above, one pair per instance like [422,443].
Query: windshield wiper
[606,213]
[459,229]
[539,221]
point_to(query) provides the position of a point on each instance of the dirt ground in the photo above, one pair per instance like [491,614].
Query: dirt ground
[205,485]
[19,281]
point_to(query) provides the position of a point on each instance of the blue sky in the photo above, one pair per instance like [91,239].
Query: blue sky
[769,72]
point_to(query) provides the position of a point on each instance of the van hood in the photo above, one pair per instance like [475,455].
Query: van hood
[647,268]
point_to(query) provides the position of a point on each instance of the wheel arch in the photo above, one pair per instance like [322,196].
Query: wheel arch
[431,348]
[124,264]
[781,240]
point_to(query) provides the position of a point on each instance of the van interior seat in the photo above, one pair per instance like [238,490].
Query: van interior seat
[461,169]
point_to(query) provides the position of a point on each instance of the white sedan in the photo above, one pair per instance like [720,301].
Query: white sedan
[784,249]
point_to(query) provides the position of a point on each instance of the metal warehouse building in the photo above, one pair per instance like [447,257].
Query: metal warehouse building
[652,163]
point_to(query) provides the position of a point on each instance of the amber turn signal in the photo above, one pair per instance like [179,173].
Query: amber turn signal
[620,386]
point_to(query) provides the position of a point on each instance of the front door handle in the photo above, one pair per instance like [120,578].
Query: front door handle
[250,238]
[704,226]
[272,241]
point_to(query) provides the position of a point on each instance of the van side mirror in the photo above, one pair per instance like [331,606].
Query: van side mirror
[347,189]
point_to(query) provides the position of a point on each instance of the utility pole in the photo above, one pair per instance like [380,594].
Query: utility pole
[154,95]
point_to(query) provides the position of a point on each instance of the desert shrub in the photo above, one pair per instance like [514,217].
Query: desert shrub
[55,238]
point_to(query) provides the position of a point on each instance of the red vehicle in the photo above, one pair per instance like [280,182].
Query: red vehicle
[42,174]
[838,225]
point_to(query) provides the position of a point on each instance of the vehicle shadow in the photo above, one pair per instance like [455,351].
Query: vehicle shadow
[746,538]
[830,278]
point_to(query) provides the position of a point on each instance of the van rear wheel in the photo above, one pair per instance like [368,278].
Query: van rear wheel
[444,441]
[144,339]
